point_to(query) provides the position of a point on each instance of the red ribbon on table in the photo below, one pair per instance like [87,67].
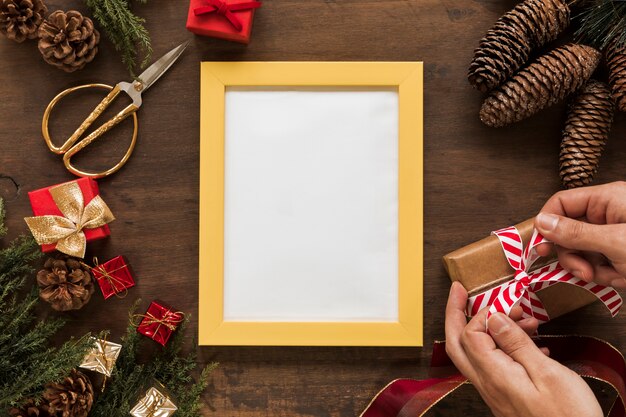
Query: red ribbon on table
[525,284]
[587,356]
[226,9]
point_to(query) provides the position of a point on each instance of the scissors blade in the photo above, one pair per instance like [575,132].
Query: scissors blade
[154,71]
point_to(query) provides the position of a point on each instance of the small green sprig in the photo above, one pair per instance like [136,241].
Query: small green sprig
[27,359]
[171,366]
[124,29]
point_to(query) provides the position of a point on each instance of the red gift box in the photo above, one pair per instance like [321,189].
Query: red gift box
[224,19]
[42,204]
[160,322]
[113,276]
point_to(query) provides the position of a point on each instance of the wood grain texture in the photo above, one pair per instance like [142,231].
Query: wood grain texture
[476,179]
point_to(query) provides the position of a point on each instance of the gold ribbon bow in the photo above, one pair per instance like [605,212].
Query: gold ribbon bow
[170,319]
[67,231]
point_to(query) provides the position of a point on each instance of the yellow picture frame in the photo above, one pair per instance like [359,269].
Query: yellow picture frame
[407,77]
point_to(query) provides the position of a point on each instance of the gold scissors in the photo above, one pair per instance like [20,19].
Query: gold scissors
[134,91]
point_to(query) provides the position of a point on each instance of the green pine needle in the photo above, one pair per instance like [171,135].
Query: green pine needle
[27,360]
[171,367]
[124,29]
[602,22]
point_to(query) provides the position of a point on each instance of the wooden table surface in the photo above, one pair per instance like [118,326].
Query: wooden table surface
[476,179]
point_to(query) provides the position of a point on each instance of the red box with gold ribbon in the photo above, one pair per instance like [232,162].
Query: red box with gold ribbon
[113,277]
[224,19]
[69,215]
[160,322]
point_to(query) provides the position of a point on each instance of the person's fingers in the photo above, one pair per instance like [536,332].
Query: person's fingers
[574,203]
[516,313]
[575,234]
[513,341]
[454,326]
[619,283]
[477,344]
[603,272]
[573,261]
[544,249]
[529,325]
[545,351]
[590,266]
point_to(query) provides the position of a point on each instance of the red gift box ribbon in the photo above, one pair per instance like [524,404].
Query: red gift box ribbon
[525,283]
[587,356]
[158,327]
[111,279]
[225,9]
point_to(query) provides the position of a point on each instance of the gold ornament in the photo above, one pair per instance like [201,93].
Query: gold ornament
[101,358]
[155,403]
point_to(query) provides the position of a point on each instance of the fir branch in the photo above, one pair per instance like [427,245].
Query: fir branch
[124,29]
[27,362]
[171,366]
[3,229]
[602,22]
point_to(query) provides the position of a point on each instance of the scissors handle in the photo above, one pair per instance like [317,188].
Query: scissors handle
[71,148]
[127,111]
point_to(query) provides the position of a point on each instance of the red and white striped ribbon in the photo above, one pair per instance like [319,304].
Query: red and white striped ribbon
[523,287]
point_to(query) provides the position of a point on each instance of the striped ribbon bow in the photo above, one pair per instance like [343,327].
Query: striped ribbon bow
[525,284]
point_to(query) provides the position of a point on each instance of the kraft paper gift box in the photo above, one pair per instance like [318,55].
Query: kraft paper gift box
[482,265]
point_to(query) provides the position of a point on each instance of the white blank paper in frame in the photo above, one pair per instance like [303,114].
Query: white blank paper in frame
[311,205]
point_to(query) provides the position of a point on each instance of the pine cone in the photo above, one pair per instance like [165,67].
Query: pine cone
[508,44]
[549,79]
[29,410]
[72,397]
[616,62]
[589,119]
[20,19]
[68,40]
[65,284]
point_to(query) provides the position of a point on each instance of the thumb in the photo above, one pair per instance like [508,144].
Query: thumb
[574,234]
[513,341]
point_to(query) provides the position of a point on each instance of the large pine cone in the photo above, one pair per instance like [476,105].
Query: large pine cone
[30,410]
[20,19]
[68,40]
[508,44]
[616,62]
[65,284]
[72,397]
[589,119]
[549,79]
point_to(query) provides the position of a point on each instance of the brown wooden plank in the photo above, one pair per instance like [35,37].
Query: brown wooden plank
[476,179]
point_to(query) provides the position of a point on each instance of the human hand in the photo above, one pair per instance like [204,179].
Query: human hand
[588,227]
[513,376]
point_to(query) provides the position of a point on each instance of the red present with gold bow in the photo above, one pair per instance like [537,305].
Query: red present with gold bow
[69,215]
[160,322]
[224,19]
[113,277]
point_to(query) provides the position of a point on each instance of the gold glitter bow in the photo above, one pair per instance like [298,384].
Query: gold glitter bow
[67,231]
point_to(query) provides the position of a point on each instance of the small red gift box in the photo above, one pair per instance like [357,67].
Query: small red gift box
[160,322]
[113,276]
[42,204]
[224,19]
